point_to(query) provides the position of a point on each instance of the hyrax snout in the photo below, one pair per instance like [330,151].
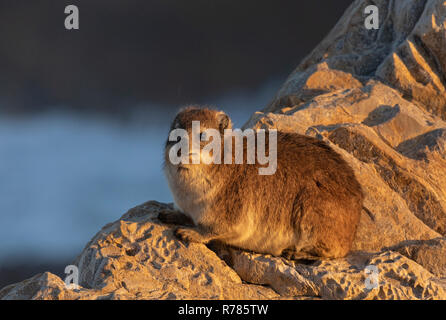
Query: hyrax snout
[307,208]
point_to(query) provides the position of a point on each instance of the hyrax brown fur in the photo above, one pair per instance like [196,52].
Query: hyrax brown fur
[308,209]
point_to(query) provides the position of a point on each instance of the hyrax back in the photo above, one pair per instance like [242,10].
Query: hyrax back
[309,208]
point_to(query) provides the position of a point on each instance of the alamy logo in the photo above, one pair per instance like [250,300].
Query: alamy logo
[72,20]
[72,279]
[372,20]
[372,280]
[188,150]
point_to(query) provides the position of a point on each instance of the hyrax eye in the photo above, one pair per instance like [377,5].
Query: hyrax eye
[202,136]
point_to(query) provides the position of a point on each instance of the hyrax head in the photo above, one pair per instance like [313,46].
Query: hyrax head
[192,129]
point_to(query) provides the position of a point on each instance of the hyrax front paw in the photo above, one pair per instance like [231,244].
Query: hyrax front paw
[188,235]
[174,217]
[167,216]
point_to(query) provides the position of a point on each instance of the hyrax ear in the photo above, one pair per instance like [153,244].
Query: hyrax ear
[223,121]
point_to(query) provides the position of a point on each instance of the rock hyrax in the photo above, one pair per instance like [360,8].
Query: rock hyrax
[308,209]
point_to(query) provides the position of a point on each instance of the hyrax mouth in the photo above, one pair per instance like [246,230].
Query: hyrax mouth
[181,168]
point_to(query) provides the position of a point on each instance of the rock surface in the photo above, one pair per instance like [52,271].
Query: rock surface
[137,257]
[377,97]
[407,53]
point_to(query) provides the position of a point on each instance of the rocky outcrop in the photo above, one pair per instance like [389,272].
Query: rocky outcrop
[138,257]
[378,98]
[397,277]
[407,53]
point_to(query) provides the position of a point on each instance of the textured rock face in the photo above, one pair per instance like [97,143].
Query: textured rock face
[137,257]
[378,98]
[407,53]
[397,277]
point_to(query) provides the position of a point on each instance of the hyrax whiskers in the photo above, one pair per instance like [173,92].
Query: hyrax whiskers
[308,209]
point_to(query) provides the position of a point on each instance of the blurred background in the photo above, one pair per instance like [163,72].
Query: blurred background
[84,113]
